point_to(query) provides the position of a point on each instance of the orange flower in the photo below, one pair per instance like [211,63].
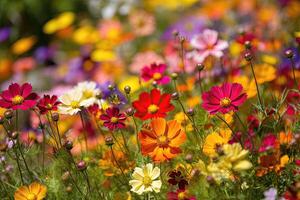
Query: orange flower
[161,139]
[35,191]
[285,138]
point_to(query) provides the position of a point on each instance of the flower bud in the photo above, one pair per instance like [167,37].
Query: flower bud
[200,67]
[109,141]
[248,44]
[99,95]
[248,56]
[130,111]
[127,89]
[110,87]
[69,189]
[189,158]
[2,120]
[175,33]
[175,96]
[55,117]
[289,53]
[190,112]
[182,39]
[8,114]
[154,84]
[81,165]
[65,176]
[174,76]
[68,145]
[14,135]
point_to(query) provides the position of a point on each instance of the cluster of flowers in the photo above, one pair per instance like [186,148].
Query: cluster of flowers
[214,115]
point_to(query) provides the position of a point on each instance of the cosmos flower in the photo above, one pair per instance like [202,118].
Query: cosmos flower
[34,191]
[161,140]
[89,92]
[18,97]
[4,33]
[176,178]
[270,194]
[48,103]
[214,141]
[156,73]
[113,119]
[224,98]
[268,142]
[152,105]
[144,179]
[207,44]
[23,45]
[72,102]
[180,195]
[144,58]
[142,23]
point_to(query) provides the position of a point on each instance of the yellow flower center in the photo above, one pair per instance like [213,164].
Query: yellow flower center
[225,102]
[74,104]
[88,94]
[153,108]
[49,106]
[17,100]
[162,141]
[157,76]
[147,181]
[181,195]
[88,65]
[114,120]
[31,196]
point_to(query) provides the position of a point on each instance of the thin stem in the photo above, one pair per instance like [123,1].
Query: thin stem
[256,84]
[200,82]
[87,181]
[24,160]
[238,117]
[84,132]
[18,163]
[125,143]
[293,66]
[116,161]
[137,134]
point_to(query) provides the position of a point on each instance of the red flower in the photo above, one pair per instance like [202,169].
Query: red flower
[48,103]
[180,195]
[223,99]
[155,72]
[152,105]
[176,178]
[113,119]
[18,97]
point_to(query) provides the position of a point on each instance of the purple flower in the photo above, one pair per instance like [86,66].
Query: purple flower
[186,27]
[270,194]
[45,55]
[114,96]
[4,33]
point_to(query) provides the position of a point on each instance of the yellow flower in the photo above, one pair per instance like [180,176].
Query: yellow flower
[248,85]
[35,191]
[169,4]
[184,121]
[22,45]
[264,73]
[272,60]
[86,35]
[215,140]
[101,55]
[132,81]
[235,157]
[60,22]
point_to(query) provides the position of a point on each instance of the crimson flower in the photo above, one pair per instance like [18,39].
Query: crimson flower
[180,195]
[156,73]
[47,104]
[113,119]
[176,178]
[152,105]
[223,99]
[18,97]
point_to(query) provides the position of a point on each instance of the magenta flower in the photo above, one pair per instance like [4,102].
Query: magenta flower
[113,119]
[268,142]
[223,99]
[155,72]
[18,97]
[48,103]
[207,44]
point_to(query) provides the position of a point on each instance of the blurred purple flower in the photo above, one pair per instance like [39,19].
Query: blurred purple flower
[4,33]
[114,96]
[270,194]
[186,27]
[45,55]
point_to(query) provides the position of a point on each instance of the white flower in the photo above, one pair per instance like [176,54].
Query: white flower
[144,179]
[89,92]
[71,102]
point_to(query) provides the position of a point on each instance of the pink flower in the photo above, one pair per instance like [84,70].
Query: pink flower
[48,103]
[144,58]
[18,97]
[269,142]
[207,44]
[113,119]
[223,99]
[156,73]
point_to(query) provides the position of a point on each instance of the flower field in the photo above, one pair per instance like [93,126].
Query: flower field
[150,100]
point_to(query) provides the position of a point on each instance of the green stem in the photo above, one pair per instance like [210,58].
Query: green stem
[256,84]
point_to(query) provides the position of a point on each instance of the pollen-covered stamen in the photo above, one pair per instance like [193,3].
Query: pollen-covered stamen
[225,102]
[157,76]
[17,100]
[152,108]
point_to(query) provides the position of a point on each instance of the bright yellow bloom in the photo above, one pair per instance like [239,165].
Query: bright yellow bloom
[101,55]
[60,22]
[264,73]
[132,81]
[248,85]
[22,45]
[184,121]
[215,140]
[86,35]
[169,4]
[35,191]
